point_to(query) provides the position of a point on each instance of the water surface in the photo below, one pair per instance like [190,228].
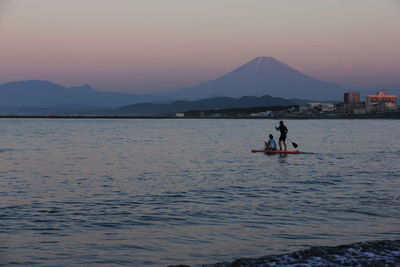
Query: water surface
[159,192]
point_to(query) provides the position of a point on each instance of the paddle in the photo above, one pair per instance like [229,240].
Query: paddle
[293,143]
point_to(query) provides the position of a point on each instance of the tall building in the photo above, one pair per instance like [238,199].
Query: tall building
[352,102]
[381,102]
[351,98]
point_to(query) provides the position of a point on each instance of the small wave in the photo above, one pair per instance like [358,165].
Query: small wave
[372,253]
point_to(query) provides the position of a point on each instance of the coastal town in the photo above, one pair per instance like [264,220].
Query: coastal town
[379,105]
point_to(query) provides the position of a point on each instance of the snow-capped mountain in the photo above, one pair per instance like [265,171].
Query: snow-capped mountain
[265,76]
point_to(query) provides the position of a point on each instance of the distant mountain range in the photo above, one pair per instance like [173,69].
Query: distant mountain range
[204,104]
[149,109]
[260,76]
[264,76]
[47,94]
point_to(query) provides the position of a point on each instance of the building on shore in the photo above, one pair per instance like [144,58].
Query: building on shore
[381,102]
[321,107]
[351,97]
[351,107]
[352,104]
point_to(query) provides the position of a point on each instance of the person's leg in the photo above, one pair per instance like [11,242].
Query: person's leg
[280,144]
[284,141]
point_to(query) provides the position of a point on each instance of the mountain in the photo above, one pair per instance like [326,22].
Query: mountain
[204,104]
[261,76]
[37,93]
[265,76]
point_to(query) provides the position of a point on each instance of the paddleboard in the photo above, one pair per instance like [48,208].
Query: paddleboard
[276,151]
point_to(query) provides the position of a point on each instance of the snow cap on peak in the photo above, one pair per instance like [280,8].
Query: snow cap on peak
[265,60]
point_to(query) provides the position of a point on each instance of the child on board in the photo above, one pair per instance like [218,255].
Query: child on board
[270,144]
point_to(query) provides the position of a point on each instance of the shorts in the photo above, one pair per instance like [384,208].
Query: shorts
[282,138]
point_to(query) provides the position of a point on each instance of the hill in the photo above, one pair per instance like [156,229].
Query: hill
[204,104]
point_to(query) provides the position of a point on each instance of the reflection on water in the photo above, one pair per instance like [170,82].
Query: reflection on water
[158,192]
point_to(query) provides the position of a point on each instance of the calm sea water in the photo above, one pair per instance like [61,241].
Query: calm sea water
[159,192]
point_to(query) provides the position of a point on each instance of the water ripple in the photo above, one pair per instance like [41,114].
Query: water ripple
[159,192]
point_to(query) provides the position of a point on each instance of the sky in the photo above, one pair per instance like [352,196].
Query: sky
[150,46]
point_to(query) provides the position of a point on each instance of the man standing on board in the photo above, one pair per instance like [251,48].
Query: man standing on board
[282,128]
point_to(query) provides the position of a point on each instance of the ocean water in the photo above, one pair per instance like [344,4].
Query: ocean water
[105,192]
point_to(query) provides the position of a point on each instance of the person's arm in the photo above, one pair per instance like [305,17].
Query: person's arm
[277,128]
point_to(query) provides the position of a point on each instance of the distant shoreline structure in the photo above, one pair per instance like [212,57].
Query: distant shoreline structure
[286,117]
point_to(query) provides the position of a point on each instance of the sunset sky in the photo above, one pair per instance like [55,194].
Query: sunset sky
[148,46]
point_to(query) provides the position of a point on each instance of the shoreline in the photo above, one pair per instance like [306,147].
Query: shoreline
[285,117]
[369,253]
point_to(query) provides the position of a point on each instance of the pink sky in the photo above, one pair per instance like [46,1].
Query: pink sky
[144,46]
